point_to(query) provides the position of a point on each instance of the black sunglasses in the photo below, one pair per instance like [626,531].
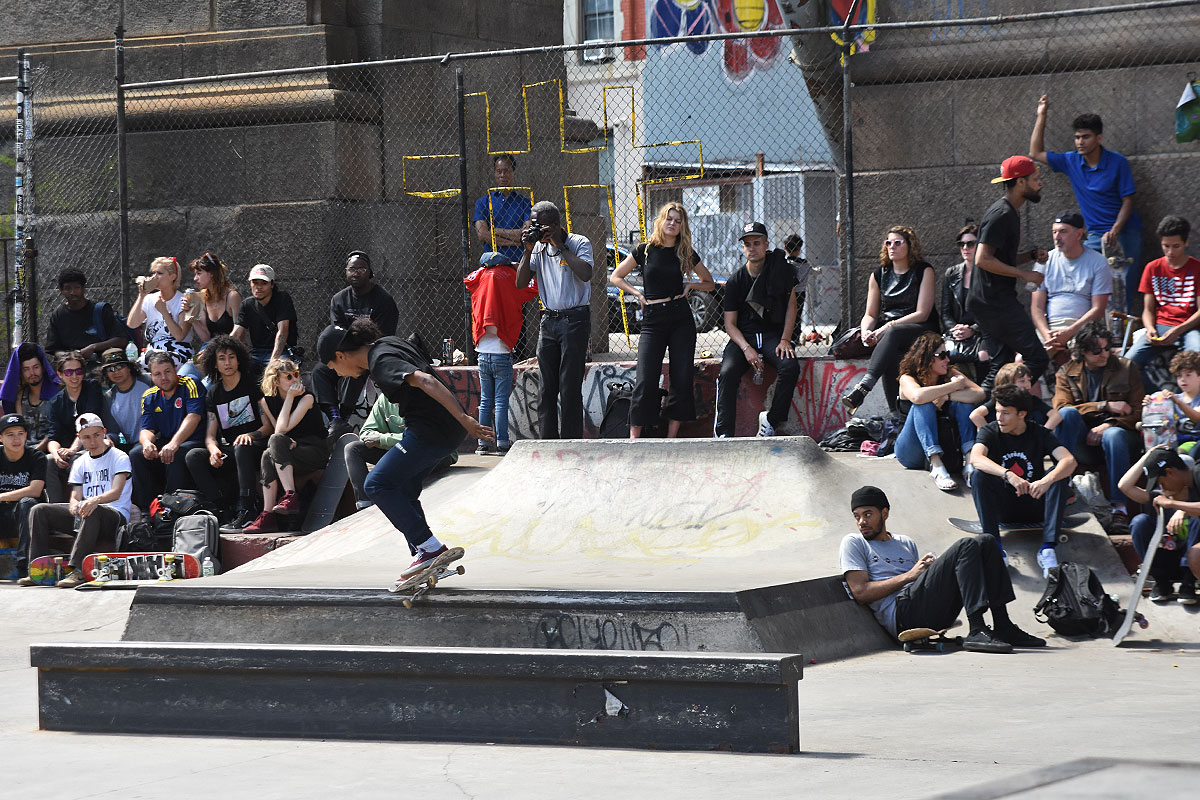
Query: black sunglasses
[941,354]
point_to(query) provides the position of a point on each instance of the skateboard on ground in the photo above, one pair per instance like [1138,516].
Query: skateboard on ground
[8,564]
[131,570]
[428,577]
[328,494]
[1068,522]
[1131,613]
[49,570]
[916,639]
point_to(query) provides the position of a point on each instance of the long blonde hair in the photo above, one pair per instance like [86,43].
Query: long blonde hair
[683,242]
[270,378]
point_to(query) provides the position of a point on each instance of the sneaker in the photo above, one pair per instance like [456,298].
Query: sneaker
[968,474]
[482,449]
[1187,594]
[263,523]
[503,447]
[338,428]
[1018,638]
[854,398]
[982,641]
[765,428]
[26,581]
[1162,592]
[422,561]
[243,518]
[1004,555]
[288,504]
[359,505]
[1119,523]
[1047,560]
[72,580]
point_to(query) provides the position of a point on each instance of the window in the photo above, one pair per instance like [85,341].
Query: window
[598,20]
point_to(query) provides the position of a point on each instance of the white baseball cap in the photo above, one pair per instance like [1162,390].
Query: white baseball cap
[263,272]
[88,420]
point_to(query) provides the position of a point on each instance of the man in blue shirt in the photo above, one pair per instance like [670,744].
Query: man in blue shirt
[508,213]
[1103,186]
[171,414]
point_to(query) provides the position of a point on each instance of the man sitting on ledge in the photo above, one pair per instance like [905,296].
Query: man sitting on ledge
[907,591]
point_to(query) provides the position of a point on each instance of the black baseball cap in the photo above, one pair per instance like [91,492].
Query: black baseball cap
[13,420]
[330,341]
[1161,460]
[1070,217]
[752,229]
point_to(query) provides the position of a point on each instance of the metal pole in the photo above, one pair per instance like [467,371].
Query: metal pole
[122,187]
[468,345]
[848,163]
[18,292]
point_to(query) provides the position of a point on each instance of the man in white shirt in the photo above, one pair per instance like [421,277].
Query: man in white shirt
[1076,289]
[100,500]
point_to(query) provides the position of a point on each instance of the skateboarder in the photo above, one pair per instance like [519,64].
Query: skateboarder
[1010,482]
[1180,500]
[906,590]
[435,424]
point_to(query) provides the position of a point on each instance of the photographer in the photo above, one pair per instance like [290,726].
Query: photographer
[562,263]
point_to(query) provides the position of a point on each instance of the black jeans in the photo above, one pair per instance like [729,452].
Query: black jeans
[734,365]
[1009,326]
[885,358]
[970,574]
[151,477]
[14,516]
[244,464]
[562,358]
[665,325]
[334,391]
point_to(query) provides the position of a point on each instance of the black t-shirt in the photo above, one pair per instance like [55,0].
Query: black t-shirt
[236,409]
[75,330]
[898,294]
[392,359]
[376,305]
[262,322]
[778,279]
[1024,455]
[310,424]
[31,466]
[1039,414]
[661,272]
[1001,228]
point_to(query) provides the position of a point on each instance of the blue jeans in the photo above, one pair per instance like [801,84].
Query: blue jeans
[1141,352]
[495,385]
[1131,243]
[1117,447]
[395,483]
[996,502]
[918,438]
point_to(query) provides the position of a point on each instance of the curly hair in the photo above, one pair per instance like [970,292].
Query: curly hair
[1185,360]
[918,361]
[101,374]
[1089,338]
[910,236]
[270,378]
[207,362]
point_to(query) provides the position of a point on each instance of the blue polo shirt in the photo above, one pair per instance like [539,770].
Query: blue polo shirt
[1099,190]
[164,416]
[509,210]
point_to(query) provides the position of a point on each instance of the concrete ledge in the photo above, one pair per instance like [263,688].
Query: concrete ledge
[662,701]
[240,548]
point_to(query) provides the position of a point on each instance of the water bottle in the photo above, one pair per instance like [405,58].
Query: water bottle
[131,351]
[758,376]
[207,569]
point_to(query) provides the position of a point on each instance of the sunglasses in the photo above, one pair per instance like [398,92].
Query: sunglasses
[115,367]
[1107,348]
[941,354]
[968,243]
[894,243]
[71,373]
[289,374]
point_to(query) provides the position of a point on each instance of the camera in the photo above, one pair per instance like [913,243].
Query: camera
[534,233]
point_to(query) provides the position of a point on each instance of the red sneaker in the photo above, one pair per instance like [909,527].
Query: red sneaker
[288,504]
[263,523]
[422,561]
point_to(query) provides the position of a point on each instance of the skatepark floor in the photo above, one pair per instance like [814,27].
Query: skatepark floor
[891,724]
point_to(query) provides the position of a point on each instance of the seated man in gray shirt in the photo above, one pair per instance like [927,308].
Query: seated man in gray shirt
[1076,289]
[906,590]
[562,263]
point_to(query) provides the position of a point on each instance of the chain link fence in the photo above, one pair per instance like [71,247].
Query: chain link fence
[295,168]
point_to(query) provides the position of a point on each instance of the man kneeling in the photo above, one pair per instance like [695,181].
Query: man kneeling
[907,591]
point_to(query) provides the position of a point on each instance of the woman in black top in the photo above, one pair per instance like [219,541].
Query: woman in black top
[963,338]
[899,309]
[215,304]
[666,261]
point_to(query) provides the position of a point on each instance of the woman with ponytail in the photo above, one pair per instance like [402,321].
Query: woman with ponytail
[670,270]
[435,426]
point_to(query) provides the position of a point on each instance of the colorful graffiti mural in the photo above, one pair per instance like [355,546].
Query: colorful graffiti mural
[699,17]
[839,10]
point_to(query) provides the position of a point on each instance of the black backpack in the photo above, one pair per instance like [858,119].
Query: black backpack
[165,511]
[615,423]
[1075,603]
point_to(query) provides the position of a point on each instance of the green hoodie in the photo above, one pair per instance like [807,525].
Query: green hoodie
[385,420]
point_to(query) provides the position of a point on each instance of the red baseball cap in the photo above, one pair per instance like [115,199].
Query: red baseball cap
[1015,167]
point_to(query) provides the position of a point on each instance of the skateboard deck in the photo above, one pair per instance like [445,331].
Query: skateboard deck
[428,578]
[915,639]
[49,570]
[1131,613]
[130,570]
[8,563]
[329,491]
[1068,522]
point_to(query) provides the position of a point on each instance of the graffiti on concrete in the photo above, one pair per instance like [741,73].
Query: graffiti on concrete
[697,17]
[817,405]
[587,632]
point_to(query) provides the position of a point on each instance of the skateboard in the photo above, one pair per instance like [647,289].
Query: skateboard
[8,563]
[428,578]
[49,570]
[1131,613]
[916,639]
[328,494]
[130,570]
[1069,521]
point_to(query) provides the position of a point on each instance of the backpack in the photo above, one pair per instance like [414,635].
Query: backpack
[197,534]
[132,334]
[137,537]
[615,422]
[165,510]
[1075,603]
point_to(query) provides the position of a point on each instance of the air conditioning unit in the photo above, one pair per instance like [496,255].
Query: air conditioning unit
[598,51]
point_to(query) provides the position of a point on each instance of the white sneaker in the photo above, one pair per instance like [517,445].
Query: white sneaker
[764,428]
[1047,560]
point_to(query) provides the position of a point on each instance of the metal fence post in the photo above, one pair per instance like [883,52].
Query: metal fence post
[468,344]
[122,188]
[20,199]
[848,163]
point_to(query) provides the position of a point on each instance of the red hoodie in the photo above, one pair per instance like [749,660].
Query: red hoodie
[496,300]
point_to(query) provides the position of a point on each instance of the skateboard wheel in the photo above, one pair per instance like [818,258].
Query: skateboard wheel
[1062,537]
[908,647]
[407,603]
[432,581]
[460,569]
